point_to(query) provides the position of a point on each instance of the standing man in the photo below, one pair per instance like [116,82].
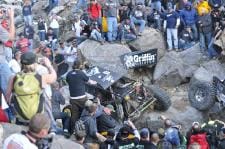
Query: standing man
[27,12]
[95,11]
[171,24]
[76,80]
[111,14]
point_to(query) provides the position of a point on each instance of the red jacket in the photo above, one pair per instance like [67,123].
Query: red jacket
[200,139]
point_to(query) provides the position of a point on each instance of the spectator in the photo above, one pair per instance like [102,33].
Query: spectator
[80,137]
[91,127]
[43,50]
[27,12]
[186,39]
[57,100]
[51,39]
[23,43]
[205,31]
[203,7]
[111,10]
[76,80]
[42,28]
[154,19]
[197,136]
[52,4]
[105,122]
[128,136]
[38,129]
[189,19]
[95,12]
[76,27]
[171,24]
[96,33]
[156,4]
[139,17]
[71,54]
[154,140]
[5,35]
[54,24]
[24,109]
[127,31]
[14,64]
[29,34]
[145,140]
[221,143]
[124,12]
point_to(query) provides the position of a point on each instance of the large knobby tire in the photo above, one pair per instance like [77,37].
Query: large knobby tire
[163,101]
[201,95]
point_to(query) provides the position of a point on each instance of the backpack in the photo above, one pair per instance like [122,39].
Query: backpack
[199,139]
[27,95]
[164,144]
[172,135]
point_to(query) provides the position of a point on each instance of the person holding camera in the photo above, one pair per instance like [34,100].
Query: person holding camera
[34,138]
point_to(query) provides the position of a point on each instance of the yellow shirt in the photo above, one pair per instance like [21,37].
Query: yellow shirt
[104,25]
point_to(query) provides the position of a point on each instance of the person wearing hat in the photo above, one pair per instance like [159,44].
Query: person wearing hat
[28,62]
[138,17]
[128,136]
[203,4]
[145,139]
[189,19]
[38,129]
[171,24]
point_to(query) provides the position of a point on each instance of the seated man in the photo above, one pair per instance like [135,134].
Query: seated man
[127,31]
[138,17]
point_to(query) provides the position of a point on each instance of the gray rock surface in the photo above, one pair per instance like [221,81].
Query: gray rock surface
[176,67]
[210,69]
[150,39]
[105,56]
[59,142]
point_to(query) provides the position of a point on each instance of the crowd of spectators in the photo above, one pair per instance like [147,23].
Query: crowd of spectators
[30,78]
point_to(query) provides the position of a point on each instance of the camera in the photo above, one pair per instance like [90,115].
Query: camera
[44,143]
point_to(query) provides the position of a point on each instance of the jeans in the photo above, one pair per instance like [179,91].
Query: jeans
[28,20]
[125,36]
[139,22]
[172,38]
[205,39]
[56,32]
[156,5]
[211,51]
[8,53]
[65,119]
[195,31]
[112,28]
[31,45]
[5,75]
[185,45]
[42,35]
[96,35]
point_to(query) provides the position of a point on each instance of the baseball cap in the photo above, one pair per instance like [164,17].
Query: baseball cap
[111,107]
[28,58]
[38,122]
[144,133]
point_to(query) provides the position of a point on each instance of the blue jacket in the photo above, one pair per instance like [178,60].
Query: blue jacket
[188,17]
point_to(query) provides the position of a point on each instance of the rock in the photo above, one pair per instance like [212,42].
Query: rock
[57,10]
[58,142]
[105,56]
[177,67]
[150,39]
[210,69]
[39,8]
[221,41]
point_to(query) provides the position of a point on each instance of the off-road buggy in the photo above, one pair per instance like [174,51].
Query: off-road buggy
[203,95]
[129,97]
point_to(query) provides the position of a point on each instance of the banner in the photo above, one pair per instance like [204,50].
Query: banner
[105,78]
[139,58]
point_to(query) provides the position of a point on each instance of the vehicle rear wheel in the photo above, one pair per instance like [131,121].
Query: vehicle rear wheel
[163,100]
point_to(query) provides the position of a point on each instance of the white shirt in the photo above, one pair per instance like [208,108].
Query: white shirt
[77,28]
[14,66]
[73,57]
[54,24]
[18,141]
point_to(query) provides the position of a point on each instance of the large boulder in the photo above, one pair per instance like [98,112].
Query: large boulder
[177,67]
[38,8]
[59,142]
[206,72]
[106,56]
[150,39]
